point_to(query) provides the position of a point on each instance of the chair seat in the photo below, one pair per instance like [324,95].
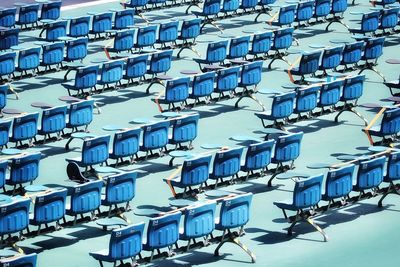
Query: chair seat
[70,85]
[266,115]
[176,181]
[77,160]
[101,255]
[375,131]
[285,204]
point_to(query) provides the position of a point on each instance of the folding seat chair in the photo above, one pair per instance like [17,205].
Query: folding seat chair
[389,127]
[3,97]
[76,49]
[9,38]
[216,54]
[283,39]
[198,223]
[135,67]
[330,59]
[329,95]
[210,11]
[226,164]
[250,77]
[138,6]
[248,6]
[369,176]
[53,121]
[94,151]
[369,24]
[123,41]
[146,37]
[123,19]
[162,232]
[55,30]
[389,19]
[28,59]
[190,30]
[306,195]
[392,176]
[14,218]
[4,132]
[230,6]
[160,62]
[258,157]
[156,3]
[282,107]
[101,23]
[52,54]
[322,10]
[168,33]
[227,80]
[395,84]
[23,169]
[85,78]
[120,189]
[125,243]
[111,72]
[79,27]
[304,12]
[287,149]
[7,65]
[22,260]
[234,213]
[85,198]
[261,44]
[338,7]
[306,101]
[80,114]
[28,14]
[7,17]
[286,16]
[49,207]
[265,8]
[353,88]
[202,86]
[372,51]
[338,184]
[238,47]
[24,128]
[176,91]
[351,55]
[155,136]
[194,172]
[125,144]
[50,10]
[308,65]
[184,129]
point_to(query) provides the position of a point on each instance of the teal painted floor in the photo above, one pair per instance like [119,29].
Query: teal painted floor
[360,235]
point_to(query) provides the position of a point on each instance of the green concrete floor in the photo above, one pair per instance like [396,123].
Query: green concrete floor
[360,234]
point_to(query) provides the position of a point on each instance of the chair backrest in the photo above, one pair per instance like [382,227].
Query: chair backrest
[338,6]
[322,8]
[282,105]
[81,113]
[7,63]
[307,192]
[177,90]
[390,124]
[55,30]
[216,51]
[79,26]
[163,231]
[155,135]
[370,173]
[251,74]
[352,52]
[95,150]
[211,7]
[120,188]
[239,47]
[126,242]
[196,170]
[261,42]
[235,211]
[8,38]
[28,14]
[287,14]
[353,88]
[14,216]
[160,61]
[309,62]
[199,220]
[86,197]
[389,17]
[230,5]
[259,155]
[146,36]
[25,126]
[101,22]
[51,10]
[29,58]
[111,71]
[21,261]
[339,182]
[288,147]
[331,57]
[3,95]
[307,98]
[136,66]
[228,79]
[126,142]
[86,77]
[373,48]
[4,131]
[227,162]
[393,166]
[137,3]
[50,207]
[3,172]
[77,49]
[124,18]
[370,21]
[305,10]
[184,129]
[283,38]
[168,31]
[330,93]
[7,17]
[25,168]
[190,28]
[203,84]
[53,53]
[124,40]
[53,119]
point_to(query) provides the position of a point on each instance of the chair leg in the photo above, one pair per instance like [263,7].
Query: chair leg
[317,227]
[235,240]
[388,192]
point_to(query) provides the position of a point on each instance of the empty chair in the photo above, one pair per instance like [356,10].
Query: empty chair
[338,7]
[123,41]
[304,12]
[389,19]
[369,175]
[4,132]
[395,84]
[283,39]
[184,130]
[216,54]
[155,137]
[146,37]
[55,30]
[135,67]
[329,94]
[176,91]
[227,80]
[76,49]
[238,47]
[308,65]
[249,79]
[53,121]
[123,19]
[24,169]
[248,5]
[101,23]
[286,16]
[138,6]
[80,114]
[190,30]
[3,98]
[7,17]
[49,207]
[28,59]
[52,54]
[85,78]
[153,3]
[24,128]
[22,260]
[125,243]
[306,195]
[230,6]
[265,8]
[28,14]
[369,23]
[330,58]
[372,51]
[125,144]
[210,11]
[79,27]
[160,62]
[162,232]
[261,44]
[351,55]
[281,109]
[226,164]
[111,73]
[322,9]
[9,38]
[258,157]
[50,10]
[392,175]
[14,217]
[7,65]
[306,101]
[234,213]
[389,127]
[202,86]
[85,198]
[168,33]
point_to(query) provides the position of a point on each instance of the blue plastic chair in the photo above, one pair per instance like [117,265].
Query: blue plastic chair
[168,33]
[392,176]
[155,136]
[154,3]
[230,6]
[123,19]
[369,23]
[389,127]
[162,232]
[202,86]
[331,58]
[3,98]
[306,195]
[135,67]
[28,59]
[308,65]
[286,17]
[265,8]
[160,62]
[306,101]
[248,5]
[210,11]
[101,23]
[7,65]
[238,47]
[85,78]
[190,30]
[322,9]
[125,144]
[111,72]
[80,114]
[338,7]
[234,213]
[304,12]
[329,94]
[261,44]
[8,38]
[258,157]
[85,198]
[226,164]
[227,80]
[125,243]
[76,49]
[7,17]
[50,10]
[146,37]
[216,53]
[184,129]
[53,121]
[351,55]
[55,30]
[176,91]
[389,19]
[3,173]
[283,39]
[23,260]
[49,207]
[138,6]
[28,14]
[79,27]
[24,128]
[369,175]
[24,169]
[4,132]
[52,54]
[14,217]
[282,107]
[123,41]
[372,51]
